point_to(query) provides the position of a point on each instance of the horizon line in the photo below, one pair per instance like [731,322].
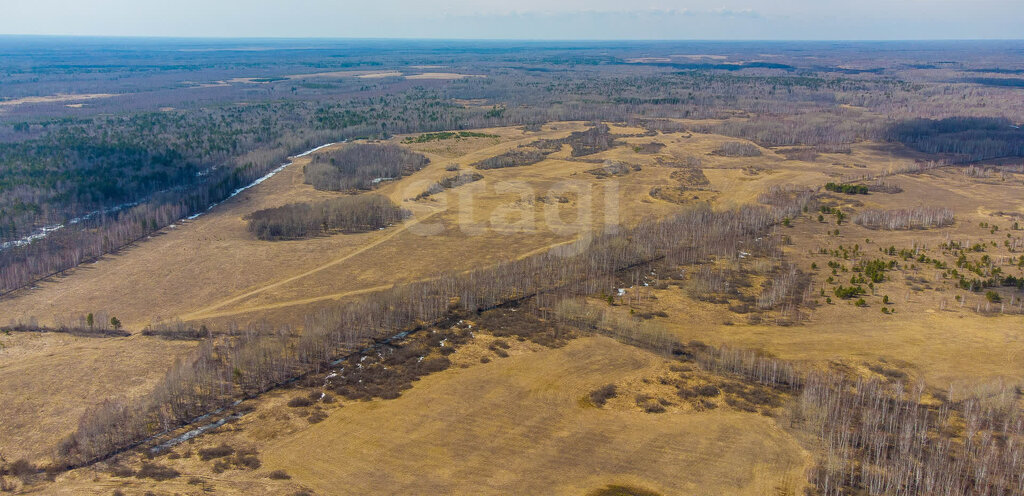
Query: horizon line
[468,39]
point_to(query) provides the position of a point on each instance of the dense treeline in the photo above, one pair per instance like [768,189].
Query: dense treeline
[259,360]
[849,189]
[969,139]
[879,438]
[362,166]
[76,167]
[348,214]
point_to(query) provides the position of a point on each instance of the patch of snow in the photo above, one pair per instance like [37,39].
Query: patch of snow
[260,180]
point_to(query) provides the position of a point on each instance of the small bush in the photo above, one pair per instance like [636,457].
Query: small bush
[279,475]
[649,404]
[21,468]
[247,460]
[121,471]
[601,395]
[299,401]
[221,451]
[156,472]
[709,390]
[617,490]
[317,417]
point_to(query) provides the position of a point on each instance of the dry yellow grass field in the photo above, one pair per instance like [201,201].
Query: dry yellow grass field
[517,425]
[47,381]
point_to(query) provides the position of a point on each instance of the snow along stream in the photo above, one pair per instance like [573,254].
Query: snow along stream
[45,231]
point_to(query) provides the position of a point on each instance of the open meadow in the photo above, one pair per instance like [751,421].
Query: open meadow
[760,282]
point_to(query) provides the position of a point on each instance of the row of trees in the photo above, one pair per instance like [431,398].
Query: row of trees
[906,218]
[876,437]
[99,324]
[347,214]
[246,365]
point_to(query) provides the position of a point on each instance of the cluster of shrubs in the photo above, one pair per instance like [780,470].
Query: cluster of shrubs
[362,166]
[849,189]
[516,157]
[649,148]
[601,395]
[875,269]
[227,458]
[448,183]
[444,135]
[389,370]
[156,472]
[848,292]
[596,139]
[348,214]
[738,149]
[508,323]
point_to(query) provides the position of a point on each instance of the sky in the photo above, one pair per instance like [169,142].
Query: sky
[522,19]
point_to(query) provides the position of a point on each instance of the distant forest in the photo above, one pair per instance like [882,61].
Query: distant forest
[968,139]
[172,133]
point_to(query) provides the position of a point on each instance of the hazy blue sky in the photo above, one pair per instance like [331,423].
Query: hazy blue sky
[523,19]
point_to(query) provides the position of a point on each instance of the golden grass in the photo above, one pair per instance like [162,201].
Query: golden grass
[515,426]
[47,381]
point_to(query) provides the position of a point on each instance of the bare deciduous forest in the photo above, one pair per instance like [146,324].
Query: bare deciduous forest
[351,214]
[362,166]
